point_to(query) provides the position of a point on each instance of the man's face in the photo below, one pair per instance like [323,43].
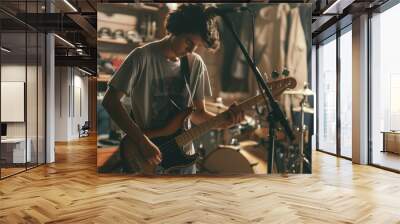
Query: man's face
[185,44]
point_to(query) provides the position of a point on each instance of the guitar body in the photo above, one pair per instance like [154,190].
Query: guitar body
[173,155]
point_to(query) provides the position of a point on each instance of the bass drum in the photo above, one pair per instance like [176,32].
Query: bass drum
[246,158]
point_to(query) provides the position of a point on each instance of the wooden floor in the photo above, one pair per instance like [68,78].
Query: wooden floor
[5,172]
[10,171]
[70,191]
[386,159]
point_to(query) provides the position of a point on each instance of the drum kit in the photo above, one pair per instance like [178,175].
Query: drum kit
[242,149]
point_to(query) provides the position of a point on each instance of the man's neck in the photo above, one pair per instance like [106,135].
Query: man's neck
[166,49]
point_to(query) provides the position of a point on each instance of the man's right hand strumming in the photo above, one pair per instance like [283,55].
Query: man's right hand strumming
[150,151]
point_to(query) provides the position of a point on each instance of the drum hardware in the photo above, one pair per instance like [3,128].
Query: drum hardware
[235,142]
[282,161]
[307,92]
[296,158]
[289,157]
[199,162]
[235,130]
[202,151]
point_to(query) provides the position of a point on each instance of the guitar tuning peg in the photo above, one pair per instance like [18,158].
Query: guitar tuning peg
[274,74]
[285,72]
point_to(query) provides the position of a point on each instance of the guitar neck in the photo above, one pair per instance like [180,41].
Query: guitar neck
[214,122]
[277,86]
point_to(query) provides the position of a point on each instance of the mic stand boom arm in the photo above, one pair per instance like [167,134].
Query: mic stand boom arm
[276,114]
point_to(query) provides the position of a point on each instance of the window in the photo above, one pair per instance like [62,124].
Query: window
[346,93]
[385,85]
[327,96]
[22,75]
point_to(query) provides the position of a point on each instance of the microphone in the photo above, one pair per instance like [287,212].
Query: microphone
[225,10]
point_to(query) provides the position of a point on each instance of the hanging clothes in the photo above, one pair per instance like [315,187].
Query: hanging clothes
[296,57]
[270,32]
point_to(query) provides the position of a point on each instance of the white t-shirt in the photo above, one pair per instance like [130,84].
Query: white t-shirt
[156,87]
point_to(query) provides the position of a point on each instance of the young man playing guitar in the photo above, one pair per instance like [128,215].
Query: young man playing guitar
[163,79]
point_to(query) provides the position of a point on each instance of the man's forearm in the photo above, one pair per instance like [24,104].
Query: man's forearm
[201,116]
[120,116]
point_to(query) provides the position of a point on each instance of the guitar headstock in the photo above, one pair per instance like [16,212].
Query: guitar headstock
[280,85]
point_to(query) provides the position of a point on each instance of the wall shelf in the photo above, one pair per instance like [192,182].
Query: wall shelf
[128,8]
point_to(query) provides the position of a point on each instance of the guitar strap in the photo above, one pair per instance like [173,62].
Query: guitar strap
[185,70]
[185,73]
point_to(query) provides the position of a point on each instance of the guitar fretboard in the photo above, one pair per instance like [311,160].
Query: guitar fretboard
[214,122]
[277,86]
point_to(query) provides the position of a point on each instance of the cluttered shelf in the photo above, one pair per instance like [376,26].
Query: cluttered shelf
[123,27]
[115,45]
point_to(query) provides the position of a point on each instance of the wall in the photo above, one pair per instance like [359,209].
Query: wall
[61,103]
[33,127]
[71,102]
[12,73]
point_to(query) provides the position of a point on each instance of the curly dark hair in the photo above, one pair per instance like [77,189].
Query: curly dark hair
[193,19]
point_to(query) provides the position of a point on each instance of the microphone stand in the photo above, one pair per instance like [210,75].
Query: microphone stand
[275,115]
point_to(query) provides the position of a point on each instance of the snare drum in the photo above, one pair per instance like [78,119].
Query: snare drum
[246,158]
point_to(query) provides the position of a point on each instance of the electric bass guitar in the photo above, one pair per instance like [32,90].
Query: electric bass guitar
[172,138]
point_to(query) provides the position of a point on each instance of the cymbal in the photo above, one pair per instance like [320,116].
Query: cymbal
[306,109]
[303,92]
